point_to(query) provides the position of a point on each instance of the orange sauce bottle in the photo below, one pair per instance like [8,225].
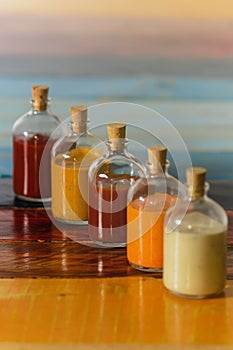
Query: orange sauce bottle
[149,200]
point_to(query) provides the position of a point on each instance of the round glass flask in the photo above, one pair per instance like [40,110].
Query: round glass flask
[72,156]
[31,140]
[195,246]
[110,178]
[149,198]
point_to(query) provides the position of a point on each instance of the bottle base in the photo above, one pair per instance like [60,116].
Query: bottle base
[109,244]
[193,296]
[145,269]
[71,222]
[35,200]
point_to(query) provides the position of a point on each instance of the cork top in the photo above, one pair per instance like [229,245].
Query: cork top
[116,132]
[40,97]
[78,116]
[196,181]
[157,155]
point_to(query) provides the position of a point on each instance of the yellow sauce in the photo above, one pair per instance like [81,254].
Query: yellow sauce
[70,184]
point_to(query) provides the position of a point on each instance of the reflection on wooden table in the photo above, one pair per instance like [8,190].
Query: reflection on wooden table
[32,246]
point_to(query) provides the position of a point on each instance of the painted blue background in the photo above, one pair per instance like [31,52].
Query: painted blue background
[201,109]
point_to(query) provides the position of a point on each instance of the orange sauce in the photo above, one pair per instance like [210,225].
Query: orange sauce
[145,229]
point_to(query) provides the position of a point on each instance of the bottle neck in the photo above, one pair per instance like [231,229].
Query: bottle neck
[39,106]
[197,194]
[79,127]
[117,146]
[156,169]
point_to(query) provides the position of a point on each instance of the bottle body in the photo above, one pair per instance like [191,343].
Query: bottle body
[149,199]
[110,178]
[32,144]
[71,158]
[195,249]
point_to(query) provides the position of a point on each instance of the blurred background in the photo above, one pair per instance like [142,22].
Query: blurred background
[175,57]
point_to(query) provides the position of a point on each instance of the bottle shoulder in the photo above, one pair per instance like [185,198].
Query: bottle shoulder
[89,139]
[72,141]
[205,205]
[159,184]
[36,122]
[196,215]
[118,163]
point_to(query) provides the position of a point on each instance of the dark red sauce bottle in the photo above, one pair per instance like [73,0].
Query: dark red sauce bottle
[32,144]
[109,180]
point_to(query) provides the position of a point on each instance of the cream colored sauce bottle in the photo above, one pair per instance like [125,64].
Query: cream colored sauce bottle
[195,250]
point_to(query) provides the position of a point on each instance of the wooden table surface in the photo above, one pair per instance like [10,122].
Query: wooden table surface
[58,293]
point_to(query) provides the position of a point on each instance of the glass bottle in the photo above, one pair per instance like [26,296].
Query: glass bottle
[110,177]
[31,140]
[195,242]
[71,158]
[149,198]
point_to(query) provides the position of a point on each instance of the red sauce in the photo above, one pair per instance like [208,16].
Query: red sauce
[107,215]
[28,180]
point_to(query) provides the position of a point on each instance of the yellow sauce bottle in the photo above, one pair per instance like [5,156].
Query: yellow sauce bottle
[71,158]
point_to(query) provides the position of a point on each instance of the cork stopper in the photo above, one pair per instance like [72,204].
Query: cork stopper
[78,116]
[196,181]
[116,132]
[40,97]
[157,156]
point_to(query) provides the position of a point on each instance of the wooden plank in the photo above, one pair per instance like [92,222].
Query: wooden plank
[74,346]
[134,310]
